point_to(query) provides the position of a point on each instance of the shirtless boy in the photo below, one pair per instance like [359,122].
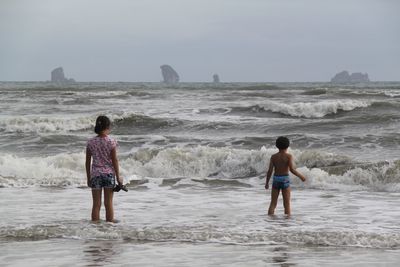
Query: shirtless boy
[281,163]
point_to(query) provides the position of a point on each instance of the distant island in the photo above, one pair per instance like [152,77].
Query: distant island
[345,77]
[170,76]
[57,76]
[216,78]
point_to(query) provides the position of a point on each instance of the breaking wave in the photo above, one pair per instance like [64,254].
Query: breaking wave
[46,124]
[304,109]
[205,165]
[314,109]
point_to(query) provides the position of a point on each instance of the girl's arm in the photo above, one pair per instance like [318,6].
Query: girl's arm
[269,173]
[293,169]
[115,163]
[87,164]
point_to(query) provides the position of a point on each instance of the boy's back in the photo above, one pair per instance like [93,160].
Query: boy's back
[281,161]
[280,164]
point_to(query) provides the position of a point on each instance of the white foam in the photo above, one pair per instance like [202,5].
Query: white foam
[316,158]
[109,93]
[377,178]
[44,123]
[201,162]
[392,93]
[314,109]
[337,238]
[59,170]
[52,123]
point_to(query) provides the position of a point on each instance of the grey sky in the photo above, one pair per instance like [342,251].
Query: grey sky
[241,40]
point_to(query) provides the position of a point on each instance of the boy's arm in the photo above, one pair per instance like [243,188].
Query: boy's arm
[293,170]
[87,165]
[115,163]
[269,173]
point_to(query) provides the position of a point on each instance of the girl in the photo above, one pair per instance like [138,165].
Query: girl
[104,168]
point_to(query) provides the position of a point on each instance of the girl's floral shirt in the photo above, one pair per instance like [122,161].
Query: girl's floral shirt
[100,148]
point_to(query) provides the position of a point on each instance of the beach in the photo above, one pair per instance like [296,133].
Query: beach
[194,157]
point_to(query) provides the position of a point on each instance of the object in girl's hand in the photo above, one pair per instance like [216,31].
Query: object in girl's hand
[118,188]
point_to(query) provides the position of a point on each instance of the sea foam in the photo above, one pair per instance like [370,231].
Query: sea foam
[339,238]
[62,124]
[204,162]
[314,109]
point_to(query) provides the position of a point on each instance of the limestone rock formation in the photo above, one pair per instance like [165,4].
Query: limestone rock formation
[216,78]
[345,77]
[341,77]
[358,77]
[57,76]
[170,76]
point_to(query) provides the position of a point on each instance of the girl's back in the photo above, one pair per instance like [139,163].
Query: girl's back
[100,148]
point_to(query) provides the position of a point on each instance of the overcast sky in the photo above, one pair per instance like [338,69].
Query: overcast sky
[241,40]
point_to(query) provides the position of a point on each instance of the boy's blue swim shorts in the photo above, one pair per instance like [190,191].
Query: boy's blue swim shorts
[281,182]
[103,181]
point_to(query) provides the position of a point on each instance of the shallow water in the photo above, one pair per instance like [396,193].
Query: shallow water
[200,227]
[194,158]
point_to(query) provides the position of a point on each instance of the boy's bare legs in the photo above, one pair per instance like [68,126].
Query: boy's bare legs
[274,201]
[108,203]
[286,200]
[96,195]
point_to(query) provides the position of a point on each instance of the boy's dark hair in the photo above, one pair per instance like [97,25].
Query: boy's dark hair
[102,123]
[282,142]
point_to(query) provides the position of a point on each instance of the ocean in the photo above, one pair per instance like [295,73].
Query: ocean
[194,157]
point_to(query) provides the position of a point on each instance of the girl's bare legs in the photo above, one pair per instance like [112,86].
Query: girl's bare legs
[108,203]
[286,200]
[96,195]
[274,201]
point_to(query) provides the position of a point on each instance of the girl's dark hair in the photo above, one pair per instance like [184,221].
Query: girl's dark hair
[102,123]
[282,142]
